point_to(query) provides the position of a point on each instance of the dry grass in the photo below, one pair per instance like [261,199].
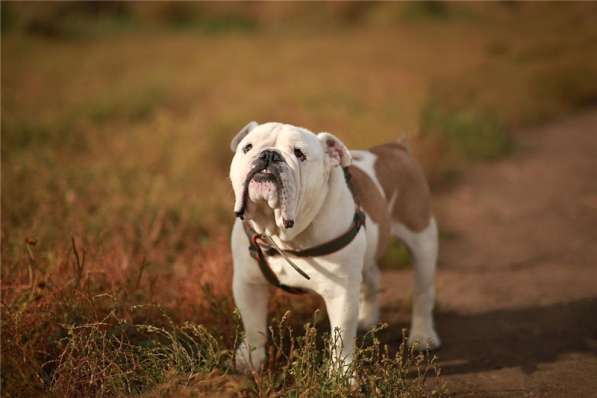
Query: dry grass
[87,327]
[115,129]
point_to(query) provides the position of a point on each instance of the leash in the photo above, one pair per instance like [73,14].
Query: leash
[262,246]
[270,240]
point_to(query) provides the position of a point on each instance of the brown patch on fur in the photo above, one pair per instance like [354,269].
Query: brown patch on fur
[399,174]
[373,203]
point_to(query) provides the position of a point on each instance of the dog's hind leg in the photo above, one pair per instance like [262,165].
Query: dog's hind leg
[423,246]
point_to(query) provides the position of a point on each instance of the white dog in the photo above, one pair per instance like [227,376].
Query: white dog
[301,227]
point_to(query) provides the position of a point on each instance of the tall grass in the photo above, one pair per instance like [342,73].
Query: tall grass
[90,328]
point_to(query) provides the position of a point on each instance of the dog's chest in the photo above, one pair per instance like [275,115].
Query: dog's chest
[322,271]
[287,275]
[278,266]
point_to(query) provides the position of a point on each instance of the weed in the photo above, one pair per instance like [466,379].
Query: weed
[471,134]
[300,366]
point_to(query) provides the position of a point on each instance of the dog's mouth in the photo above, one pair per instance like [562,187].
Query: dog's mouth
[265,175]
[264,183]
[265,186]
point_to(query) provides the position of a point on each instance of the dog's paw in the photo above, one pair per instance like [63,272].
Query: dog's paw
[423,339]
[368,317]
[367,323]
[247,360]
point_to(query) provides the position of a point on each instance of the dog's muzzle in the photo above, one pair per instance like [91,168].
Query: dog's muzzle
[265,168]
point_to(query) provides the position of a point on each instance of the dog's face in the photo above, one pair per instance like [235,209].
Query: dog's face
[279,174]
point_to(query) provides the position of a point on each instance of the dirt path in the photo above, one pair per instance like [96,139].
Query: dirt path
[517,285]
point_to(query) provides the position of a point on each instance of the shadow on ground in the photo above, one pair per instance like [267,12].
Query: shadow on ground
[522,338]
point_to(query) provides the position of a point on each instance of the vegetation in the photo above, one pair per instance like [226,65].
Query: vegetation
[116,119]
[87,331]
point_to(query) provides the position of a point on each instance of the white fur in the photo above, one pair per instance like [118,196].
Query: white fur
[366,161]
[323,209]
[423,246]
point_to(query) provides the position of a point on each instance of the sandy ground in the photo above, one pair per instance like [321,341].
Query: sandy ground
[517,280]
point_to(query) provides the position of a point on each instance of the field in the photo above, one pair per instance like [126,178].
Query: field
[116,206]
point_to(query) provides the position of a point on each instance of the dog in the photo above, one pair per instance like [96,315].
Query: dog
[314,216]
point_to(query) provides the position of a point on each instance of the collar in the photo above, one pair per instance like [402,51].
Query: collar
[322,249]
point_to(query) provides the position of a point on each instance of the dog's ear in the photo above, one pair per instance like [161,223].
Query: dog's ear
[335,149]
[241,134]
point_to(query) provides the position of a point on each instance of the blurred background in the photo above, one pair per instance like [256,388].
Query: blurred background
[116,116]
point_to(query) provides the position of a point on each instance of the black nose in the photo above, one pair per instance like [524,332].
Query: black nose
[270,156]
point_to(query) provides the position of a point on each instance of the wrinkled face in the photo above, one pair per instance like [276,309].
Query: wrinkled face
[279,174]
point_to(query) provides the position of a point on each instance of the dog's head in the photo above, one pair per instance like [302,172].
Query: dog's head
[280,175]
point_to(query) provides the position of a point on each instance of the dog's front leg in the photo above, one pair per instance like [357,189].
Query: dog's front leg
[343,310]
[251,300]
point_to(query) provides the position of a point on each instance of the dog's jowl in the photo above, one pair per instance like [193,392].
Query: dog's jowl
[314,216]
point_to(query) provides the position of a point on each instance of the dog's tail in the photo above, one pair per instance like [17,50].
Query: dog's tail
[405,142]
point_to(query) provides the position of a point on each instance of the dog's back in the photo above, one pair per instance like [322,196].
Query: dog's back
[392,189]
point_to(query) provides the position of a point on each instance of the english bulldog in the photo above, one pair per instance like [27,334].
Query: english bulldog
[291,190]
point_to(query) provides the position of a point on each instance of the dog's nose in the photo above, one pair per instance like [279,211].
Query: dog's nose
[270,156]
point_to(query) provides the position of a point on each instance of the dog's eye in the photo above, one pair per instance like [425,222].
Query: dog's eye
[299,155]
[247,148]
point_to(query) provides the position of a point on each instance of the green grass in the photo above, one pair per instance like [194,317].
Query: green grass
[470,134]
[397,256]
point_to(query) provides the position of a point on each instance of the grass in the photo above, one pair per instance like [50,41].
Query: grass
[115,130]
[89,329]
[396,256]
[469,134]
